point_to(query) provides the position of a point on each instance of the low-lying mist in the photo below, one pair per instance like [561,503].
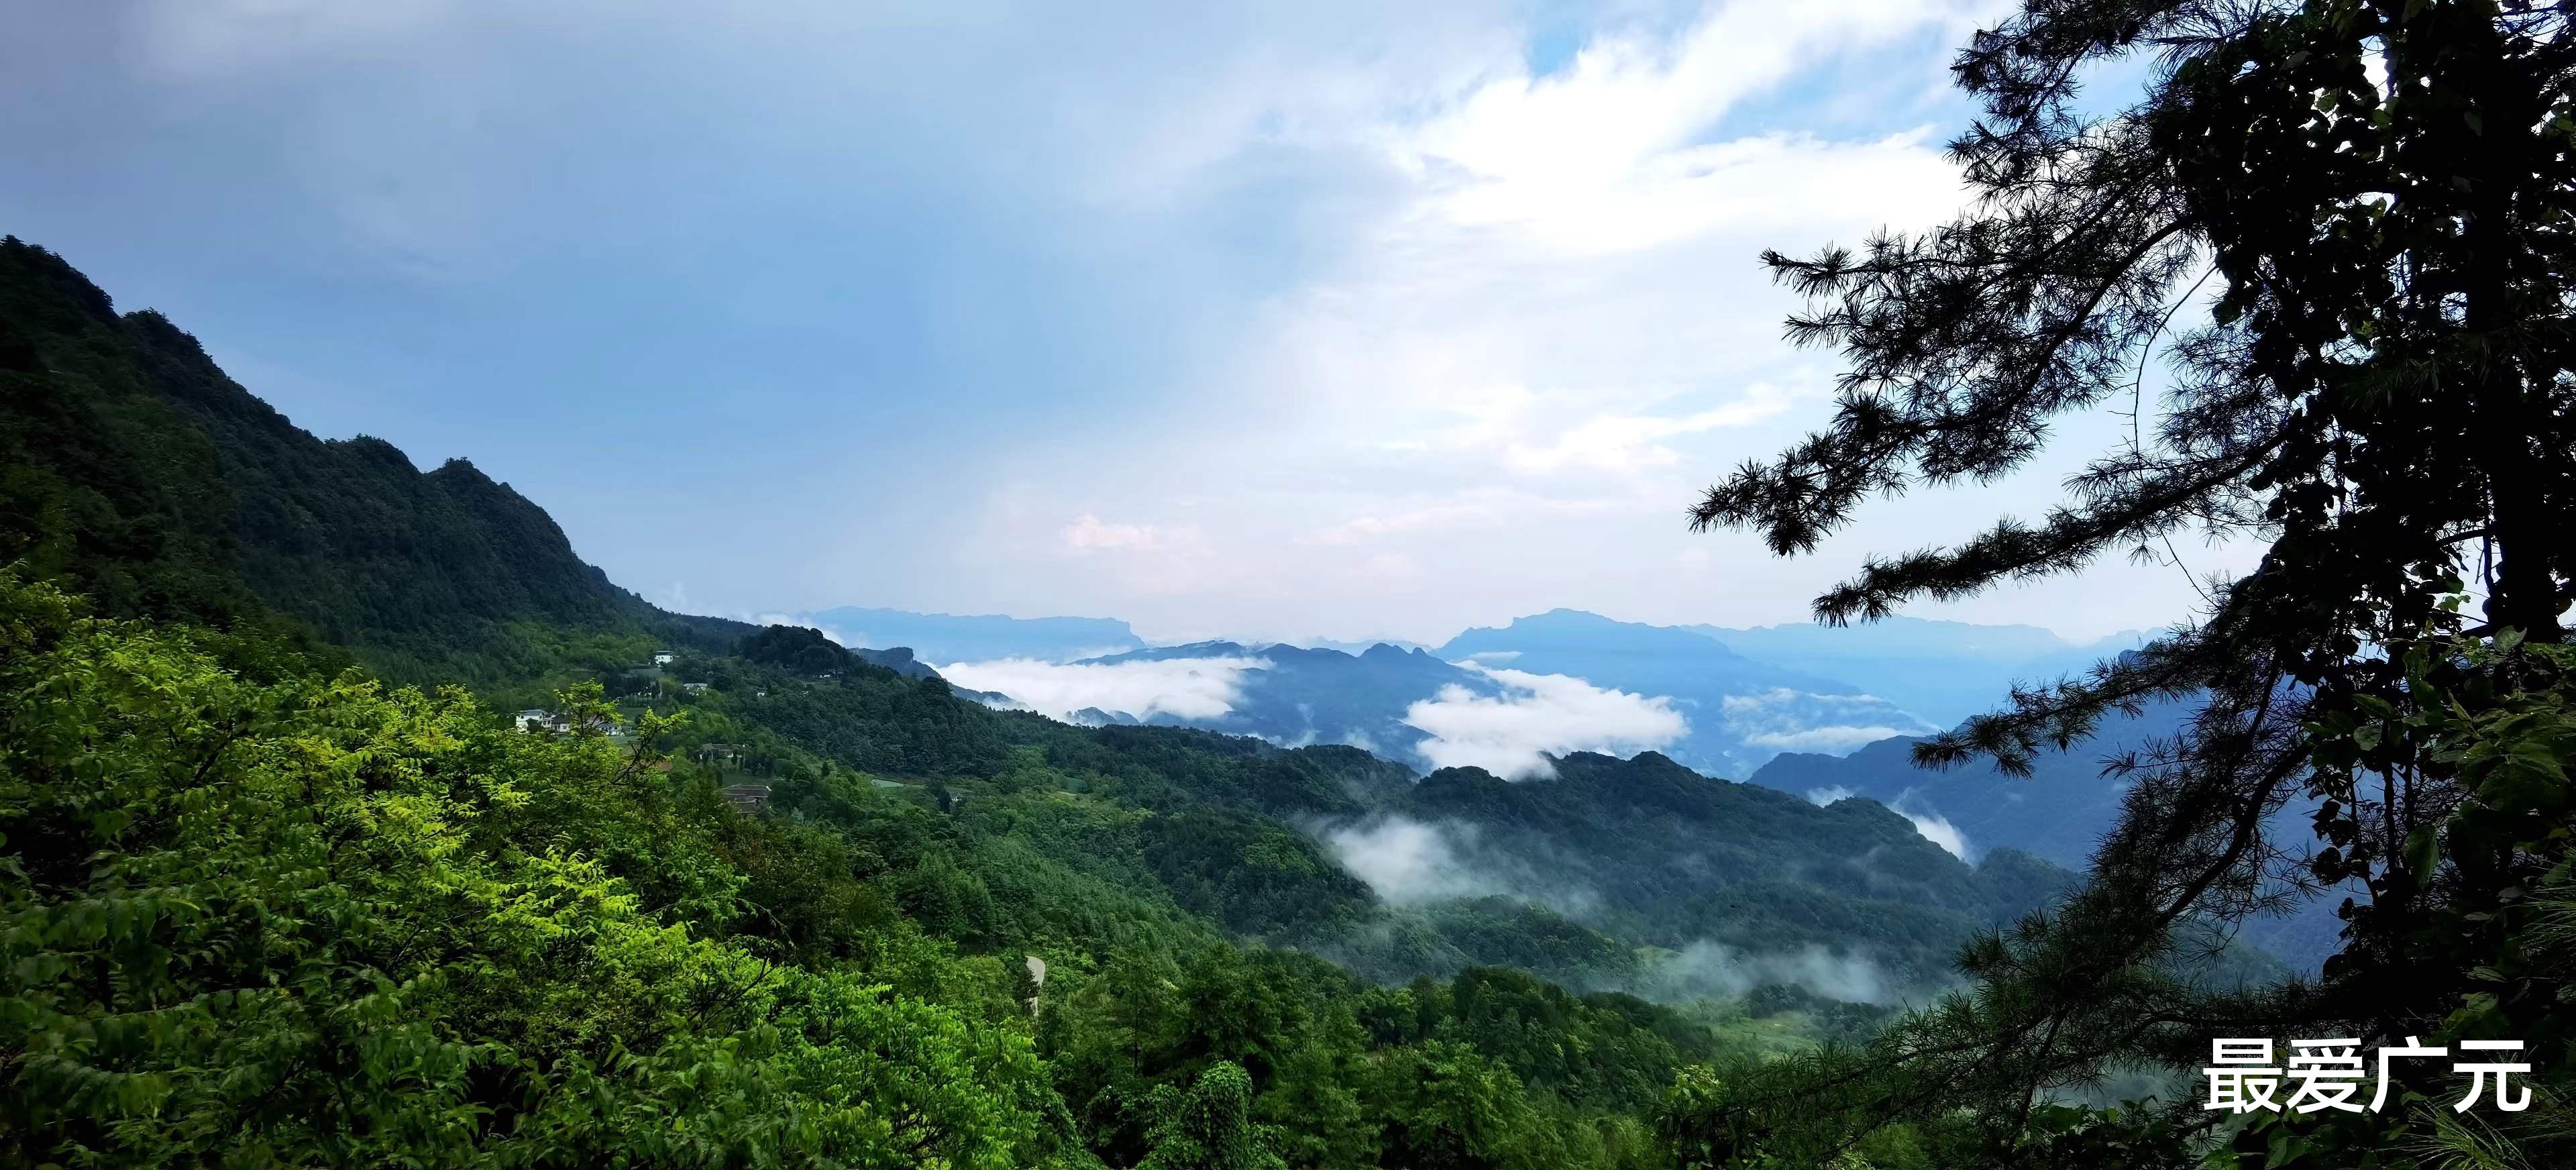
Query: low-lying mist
[1935,828]
[1418,865]
[1185,688]
[1707,969]
[1411,863]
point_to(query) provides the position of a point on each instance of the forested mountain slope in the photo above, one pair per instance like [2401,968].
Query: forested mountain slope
[1652,851]
[1643,852]
[1943,671]
[142,476]
[2060,812]
[780,898]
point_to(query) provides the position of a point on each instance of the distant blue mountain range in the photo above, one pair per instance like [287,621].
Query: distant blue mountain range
[1305,696]
[1745,695]
[1820,712]
[940,637]
[1742,710]
[1941,671]
[2058,813]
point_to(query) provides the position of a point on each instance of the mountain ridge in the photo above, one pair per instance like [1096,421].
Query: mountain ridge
[166,489]
[449,573]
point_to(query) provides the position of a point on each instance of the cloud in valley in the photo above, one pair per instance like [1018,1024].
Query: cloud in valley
[1186,688]
[1410,862]
[1512,734]
[1407,861]
[1938,830]
[1707,968]
[1786,720]
[1935,828]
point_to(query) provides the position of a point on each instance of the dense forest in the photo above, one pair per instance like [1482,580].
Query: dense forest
[348,817]
[287,885]
[141,477]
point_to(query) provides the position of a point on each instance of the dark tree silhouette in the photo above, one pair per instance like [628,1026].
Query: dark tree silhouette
[2343,230]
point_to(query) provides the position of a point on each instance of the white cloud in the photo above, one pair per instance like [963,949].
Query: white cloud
[1833,740]
[1786,720]
[1313,279]
[1938,830]
[1932,825]
[1481,508]
[1410,862]
[1188,688]
[1151,559]
[1714,968]
[1538,327]
[1608,154]
[1628,442]
[1407,861]
[1535,716]
[1088,533]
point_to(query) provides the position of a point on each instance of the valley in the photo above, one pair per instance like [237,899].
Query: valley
[1312,835]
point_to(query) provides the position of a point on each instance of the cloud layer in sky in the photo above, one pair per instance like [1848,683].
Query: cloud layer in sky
[1263,321]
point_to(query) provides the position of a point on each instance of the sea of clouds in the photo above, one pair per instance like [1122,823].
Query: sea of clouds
[1513,733]
[1185,688]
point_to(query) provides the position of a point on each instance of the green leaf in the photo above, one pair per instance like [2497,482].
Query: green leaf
[2423,852]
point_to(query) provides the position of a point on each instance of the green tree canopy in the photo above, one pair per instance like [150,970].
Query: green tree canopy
[319,922]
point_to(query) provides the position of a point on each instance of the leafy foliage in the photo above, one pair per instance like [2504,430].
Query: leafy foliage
[321,922]
[2377,193]
[144,478]
[820,909]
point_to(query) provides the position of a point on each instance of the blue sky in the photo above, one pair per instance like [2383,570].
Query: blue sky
[1249,320]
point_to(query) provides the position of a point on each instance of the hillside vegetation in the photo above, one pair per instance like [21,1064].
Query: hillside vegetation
[281,888]
[142,477]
